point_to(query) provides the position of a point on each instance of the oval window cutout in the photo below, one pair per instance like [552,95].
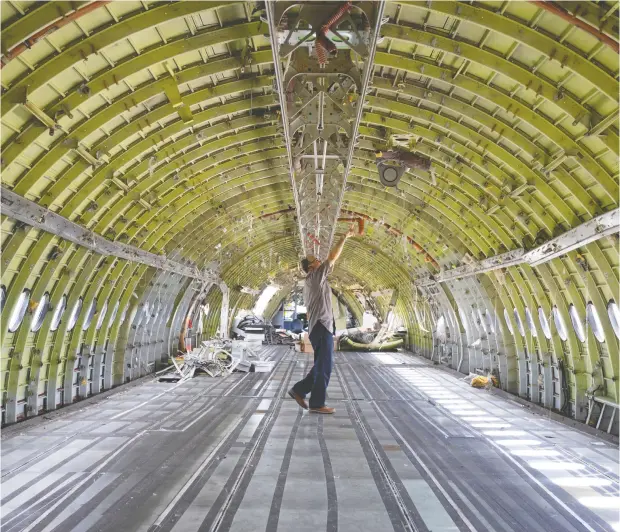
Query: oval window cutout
[614,316]
[102,314]
[530,322]
[577,323]
[519,323]
[114,313]
[595,322]
[74,314]
[2,297]
[544,323]
[60,309]
[490,319]
[40,313]
[508,322]
[19,311]
[90,315]
[559,324]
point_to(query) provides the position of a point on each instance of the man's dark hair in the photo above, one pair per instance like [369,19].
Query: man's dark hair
[305,265]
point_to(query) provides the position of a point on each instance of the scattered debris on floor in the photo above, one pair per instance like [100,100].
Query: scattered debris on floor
[216,358]
[279,337]
[248,326]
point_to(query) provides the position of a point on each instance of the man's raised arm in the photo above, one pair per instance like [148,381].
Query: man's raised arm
[337,249]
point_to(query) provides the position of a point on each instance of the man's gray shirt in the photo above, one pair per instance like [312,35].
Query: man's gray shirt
[318,298]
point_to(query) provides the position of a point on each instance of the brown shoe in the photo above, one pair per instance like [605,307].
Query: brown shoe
[300,400]
[323,410]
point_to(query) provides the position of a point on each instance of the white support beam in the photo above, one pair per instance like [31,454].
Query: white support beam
[39,114]
[277,63]
[582,235]
[601,126]
[81,151]
[363,90]
[28,212]
[590,231]
[321,97]
[224,310]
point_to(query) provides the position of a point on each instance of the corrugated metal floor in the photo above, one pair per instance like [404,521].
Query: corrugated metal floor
[411,447]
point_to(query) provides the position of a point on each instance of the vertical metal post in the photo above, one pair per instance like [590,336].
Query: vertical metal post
[224,310]
[363,90]
[281,93]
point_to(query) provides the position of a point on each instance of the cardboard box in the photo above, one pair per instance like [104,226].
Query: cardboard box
[306,347]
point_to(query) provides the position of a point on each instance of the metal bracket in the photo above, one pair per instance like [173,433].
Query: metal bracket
[24,210]
[582,235]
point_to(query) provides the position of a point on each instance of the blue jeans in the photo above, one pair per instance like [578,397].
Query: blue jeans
[315,383]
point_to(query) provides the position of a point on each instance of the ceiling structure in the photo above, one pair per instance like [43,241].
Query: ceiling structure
[158,127]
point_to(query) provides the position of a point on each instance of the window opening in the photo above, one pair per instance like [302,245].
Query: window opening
[544,323]
[595,322]
[614,316]
[102,314]
[40,313]
[60,309]
[577,323]
[508,322]
[74,314]
[289,310]
[559,324]
[530,322]
[519,323]
[114,313]
[90,315]
[2,297]
[19,311]
[490,321]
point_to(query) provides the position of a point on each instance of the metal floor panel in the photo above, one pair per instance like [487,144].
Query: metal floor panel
[410,448]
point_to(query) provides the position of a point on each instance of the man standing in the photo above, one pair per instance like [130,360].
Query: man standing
[318,299]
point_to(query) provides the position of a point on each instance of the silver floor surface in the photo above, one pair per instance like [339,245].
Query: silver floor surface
[410,448]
